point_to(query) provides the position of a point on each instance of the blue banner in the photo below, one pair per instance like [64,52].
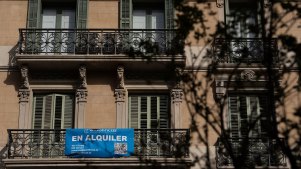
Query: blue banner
[99,142]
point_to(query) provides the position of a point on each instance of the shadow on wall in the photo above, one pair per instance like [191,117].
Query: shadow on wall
[3,155]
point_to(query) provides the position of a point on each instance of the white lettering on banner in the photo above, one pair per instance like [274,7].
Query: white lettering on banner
[100,138]
[77,138]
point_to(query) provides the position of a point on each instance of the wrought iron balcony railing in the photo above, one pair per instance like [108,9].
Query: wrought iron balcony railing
[42,143]
[244,50]
[249,152]
[98,41]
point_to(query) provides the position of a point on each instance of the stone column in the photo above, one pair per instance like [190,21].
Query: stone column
[81,98]
[120,95]
[23,94]
[176,100]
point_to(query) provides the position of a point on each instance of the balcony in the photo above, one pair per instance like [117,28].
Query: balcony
[156,143]
[251,152]
[244,50]
[98,47]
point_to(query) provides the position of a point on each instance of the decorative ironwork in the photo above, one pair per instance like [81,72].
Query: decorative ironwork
[253,151]
[162,142]
[50,143]
[243,50]
[97,41]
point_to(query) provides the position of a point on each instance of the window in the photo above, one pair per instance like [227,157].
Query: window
[146,14]
[53,111]
[248,116]
[243,19]
[57,14]
[148,111]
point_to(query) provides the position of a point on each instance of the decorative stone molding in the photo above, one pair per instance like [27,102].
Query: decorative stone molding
[267,3]
[23,95]
[81,95]
[176,95]
[247,75]
[120,77]
[220,3]
[120,95]
[83,78]
[24,78]
[179,74]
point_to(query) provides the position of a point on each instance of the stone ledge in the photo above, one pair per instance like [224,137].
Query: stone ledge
[96,162]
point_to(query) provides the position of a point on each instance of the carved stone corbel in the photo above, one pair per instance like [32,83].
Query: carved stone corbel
[24,78]
[267,3]
[120,77]
[83,77]
[220,3]
[179,74]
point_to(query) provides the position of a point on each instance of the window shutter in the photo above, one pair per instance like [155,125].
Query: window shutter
[68,112]
[234,116]
[164,116]
[169,14]
[243,119]
[58,110]
[34,11]
[48,113]
[38,112]
[264,120]
[125,14]
[82,10]
[154,112]
[253,116]
[134,112]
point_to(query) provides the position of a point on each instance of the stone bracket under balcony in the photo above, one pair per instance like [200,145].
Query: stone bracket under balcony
[98,48]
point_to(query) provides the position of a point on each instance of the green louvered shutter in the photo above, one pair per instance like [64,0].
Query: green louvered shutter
[234,116]
[164,115]
[169,14]
[53,111]
[125,14]
[148,112]
[82,13]
[38,108]
[243,116]
[248,116]
[34,13]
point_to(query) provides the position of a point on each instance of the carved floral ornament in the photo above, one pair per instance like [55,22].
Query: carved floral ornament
[120,95]
[248,75]
[81,95]
[177,95]
[23,95]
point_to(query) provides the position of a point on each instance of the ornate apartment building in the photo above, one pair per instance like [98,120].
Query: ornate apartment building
[102,64]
